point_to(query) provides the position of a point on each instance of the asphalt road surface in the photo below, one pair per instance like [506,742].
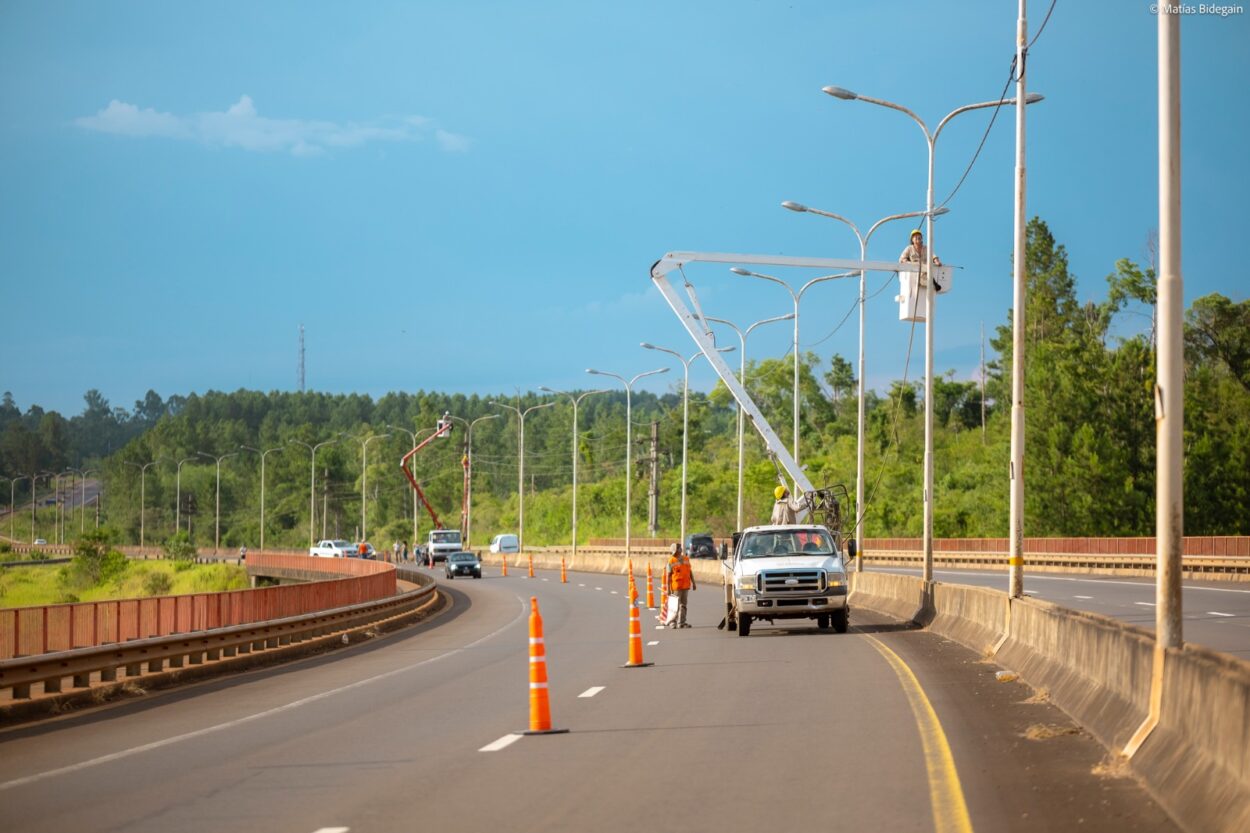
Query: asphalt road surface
[1215,614]
[882,729]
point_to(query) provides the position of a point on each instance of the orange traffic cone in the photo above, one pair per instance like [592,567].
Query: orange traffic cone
[531,559]
[505,564]
[663,595]
[650,589]
[635,640]
[540,705]
[564,575]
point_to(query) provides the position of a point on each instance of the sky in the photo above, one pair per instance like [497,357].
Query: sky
[468,196]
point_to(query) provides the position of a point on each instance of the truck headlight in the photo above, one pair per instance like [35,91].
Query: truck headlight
[746,583]
[835,579]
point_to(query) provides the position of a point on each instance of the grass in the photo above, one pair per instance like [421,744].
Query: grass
[54,584]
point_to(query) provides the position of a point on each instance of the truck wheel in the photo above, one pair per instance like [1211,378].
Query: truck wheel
[744,624]
[841,620]
[822,621]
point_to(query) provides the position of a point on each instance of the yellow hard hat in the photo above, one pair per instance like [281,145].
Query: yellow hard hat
[914,232]
[780,492]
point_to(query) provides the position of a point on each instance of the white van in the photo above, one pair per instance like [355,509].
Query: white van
[442,542]
[505,543]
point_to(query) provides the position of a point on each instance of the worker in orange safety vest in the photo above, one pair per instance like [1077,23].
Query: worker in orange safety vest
[681,582]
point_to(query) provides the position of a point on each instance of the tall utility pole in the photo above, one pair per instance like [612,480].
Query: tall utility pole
[653,504]
[1169,389]
[982,383]
[1015,559]
[301,358]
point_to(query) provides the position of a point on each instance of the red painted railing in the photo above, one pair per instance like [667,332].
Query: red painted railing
[26,631]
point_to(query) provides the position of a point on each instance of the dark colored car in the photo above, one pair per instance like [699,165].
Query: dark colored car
[462,564]
[700,545]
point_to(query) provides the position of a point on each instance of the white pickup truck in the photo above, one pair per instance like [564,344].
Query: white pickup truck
[786,572]
[332,549]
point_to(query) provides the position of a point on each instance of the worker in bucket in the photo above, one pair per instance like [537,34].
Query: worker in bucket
[681,582]
[786,508]
[916,252]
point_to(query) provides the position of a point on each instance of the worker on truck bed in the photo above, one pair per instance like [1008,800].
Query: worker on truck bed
[916,252]
[785,510]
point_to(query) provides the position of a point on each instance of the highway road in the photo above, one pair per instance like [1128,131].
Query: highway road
[1216,614]
[883,729]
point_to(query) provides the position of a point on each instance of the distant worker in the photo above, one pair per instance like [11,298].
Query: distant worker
[681,582]
[242,554]
[916,252]
[404,552]
[362,550]
[395,550]
[786,508]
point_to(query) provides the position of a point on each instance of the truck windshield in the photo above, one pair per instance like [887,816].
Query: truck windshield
[452,537]
[799,542]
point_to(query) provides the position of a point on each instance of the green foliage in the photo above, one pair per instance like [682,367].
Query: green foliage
[157,584]
[95,561]
[178,547]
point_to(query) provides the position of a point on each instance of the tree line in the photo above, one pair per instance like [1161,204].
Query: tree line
[1089,383]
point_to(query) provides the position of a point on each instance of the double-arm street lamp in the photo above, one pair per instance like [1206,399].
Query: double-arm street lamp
[364,474]
[82,496]
[263,455]
[312,483]
[520,491]
[468,472]
[34,481]
[576,400]
[178,491]
[143,477]
[685,419]
[217,511]
[930,295]
[796,297]
[863,255]
[629,434]
[742,378]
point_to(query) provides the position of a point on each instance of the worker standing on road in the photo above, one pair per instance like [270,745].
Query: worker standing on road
[917,252]
[681,582]
[785,510]
[404,552]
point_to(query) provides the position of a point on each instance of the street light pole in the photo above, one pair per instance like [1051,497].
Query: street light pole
[796,297]
[857,532]
[520,477]
[629,435]
[576,400]
[12,492]
[468,473]
[34,481]
[143,474]
[742,378]
[364,474]
[312,484]
[931,294]
[178,494]
[263,455]
[685,419]
[217,511]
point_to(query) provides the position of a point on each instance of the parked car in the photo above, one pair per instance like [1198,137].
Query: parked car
[333,549]
[462,564]
[700,545]
[505,543]
[40,542]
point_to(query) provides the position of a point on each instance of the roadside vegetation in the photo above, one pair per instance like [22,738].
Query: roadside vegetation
[1090,441]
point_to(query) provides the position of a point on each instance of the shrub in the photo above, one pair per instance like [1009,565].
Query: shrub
[5,547]
[157,584]
[179,547]
[95,559]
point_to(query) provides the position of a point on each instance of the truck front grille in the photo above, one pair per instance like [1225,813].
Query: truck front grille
[783,582]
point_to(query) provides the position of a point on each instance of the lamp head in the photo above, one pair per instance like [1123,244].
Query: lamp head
[839,92]
[738,270]
[794,206]
[1033,98]
[647,346]
[938,212]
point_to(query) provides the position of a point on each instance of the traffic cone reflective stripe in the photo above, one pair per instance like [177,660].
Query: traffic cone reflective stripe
[650,589]
[635,640]
[540,704]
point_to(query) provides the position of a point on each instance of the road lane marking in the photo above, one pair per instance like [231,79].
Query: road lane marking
[592,691]
[1217,613]
[332,830]
[598,588]
[1087,598]
[653,642]
[946,795]
[613,592]
[1145,604]
[522,612]
[581,585]
[503,743]
[1030,592]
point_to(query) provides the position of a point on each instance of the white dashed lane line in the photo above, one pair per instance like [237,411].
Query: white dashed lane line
[592,691]
[656,642]
[1145,604]
[1086,598]
[1217,613]
[332,830]
[503,743]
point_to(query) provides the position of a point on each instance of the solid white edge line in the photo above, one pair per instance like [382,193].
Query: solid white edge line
[592,691]
[207,730]
[503,743]
[332,830]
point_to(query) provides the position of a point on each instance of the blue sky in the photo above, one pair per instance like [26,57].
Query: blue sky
[468,196]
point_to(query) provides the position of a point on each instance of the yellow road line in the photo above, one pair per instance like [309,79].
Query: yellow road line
[950,813]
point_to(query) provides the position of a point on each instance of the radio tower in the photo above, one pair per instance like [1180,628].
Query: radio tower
[301,358]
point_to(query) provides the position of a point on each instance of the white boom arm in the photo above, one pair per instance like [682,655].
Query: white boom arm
[698,329]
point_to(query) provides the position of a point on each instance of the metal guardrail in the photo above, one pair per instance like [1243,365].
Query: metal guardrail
[113,662]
